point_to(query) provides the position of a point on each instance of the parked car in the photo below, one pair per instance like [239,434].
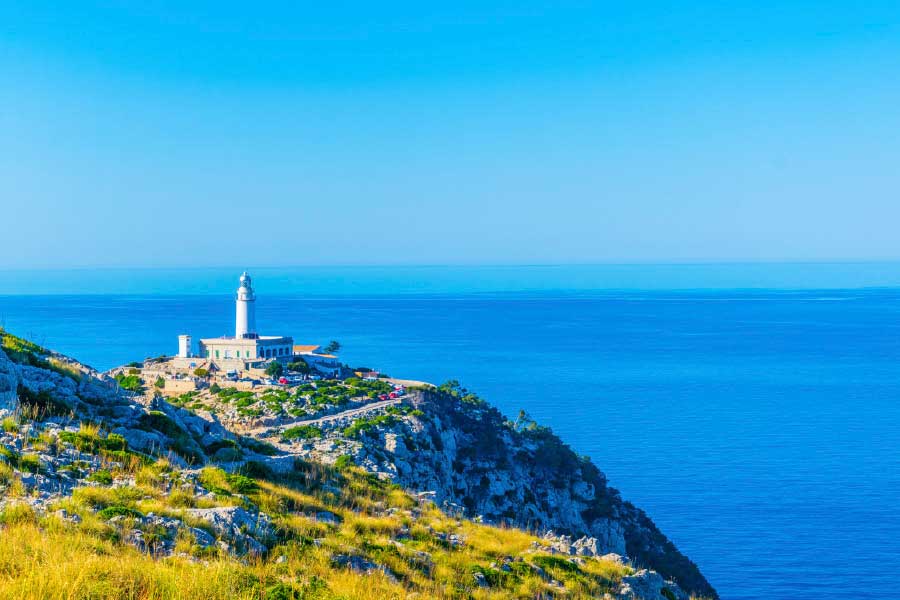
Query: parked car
[394,395]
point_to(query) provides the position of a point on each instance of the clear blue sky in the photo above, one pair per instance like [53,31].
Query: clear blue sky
[155,134]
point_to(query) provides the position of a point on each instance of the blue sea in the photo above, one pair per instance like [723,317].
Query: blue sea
[752,411]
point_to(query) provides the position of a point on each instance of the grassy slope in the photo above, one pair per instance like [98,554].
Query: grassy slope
[46,557]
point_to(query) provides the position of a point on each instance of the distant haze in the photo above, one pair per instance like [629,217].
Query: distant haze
[160,135]
[543,280]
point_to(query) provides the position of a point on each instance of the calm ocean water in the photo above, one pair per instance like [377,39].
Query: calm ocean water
[759,429]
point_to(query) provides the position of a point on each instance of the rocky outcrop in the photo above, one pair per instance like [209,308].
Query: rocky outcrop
[9,381]
[648,585]
[467,454]
[245,530]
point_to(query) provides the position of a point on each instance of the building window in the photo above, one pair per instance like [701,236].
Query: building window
[238,353]
[217,354]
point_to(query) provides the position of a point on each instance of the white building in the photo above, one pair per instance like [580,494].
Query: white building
[246,346]
[326,364]
[184,346]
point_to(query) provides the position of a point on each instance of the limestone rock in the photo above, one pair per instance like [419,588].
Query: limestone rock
[244,529]
[361,565]
[649,585]
[9,381]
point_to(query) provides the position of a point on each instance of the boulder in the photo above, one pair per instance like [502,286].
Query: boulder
[236,524]
[359,564]
[140,440]
[649,585]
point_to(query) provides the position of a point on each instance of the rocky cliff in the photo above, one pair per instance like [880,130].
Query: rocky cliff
[465,453]
[77,431]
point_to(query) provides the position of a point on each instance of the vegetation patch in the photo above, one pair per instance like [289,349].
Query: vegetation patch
[131,382]
[102,477]
[366,425]
[118,511]
[302,432]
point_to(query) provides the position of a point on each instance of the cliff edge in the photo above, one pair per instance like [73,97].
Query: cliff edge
[336,493]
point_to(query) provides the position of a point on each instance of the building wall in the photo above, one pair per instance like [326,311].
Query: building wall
[179,386]
[245,317]
[232,354]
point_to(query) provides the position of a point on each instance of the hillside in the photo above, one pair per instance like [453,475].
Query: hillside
[319,492]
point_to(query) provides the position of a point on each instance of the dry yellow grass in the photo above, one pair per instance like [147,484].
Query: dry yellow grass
[49,558]
[70,564]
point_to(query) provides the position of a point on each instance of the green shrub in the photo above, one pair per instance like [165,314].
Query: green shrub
[550,563]
[302,431]
[364,426]
[132,382]
[114,441]
[299,366]
[275,369]
[343,462]
[241,484]
[115,511]
[103,477]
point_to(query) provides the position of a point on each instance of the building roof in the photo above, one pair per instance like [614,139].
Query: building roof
[305,349]
[230,339]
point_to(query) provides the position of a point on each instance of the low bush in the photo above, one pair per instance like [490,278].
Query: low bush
[301,432]
[102,477]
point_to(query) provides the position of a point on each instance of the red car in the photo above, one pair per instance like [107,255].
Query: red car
[383,397]
[283,381]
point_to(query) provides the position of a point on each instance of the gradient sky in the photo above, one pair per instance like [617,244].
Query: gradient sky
[158,134]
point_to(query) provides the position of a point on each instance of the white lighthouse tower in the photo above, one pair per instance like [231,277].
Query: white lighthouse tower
[245,321]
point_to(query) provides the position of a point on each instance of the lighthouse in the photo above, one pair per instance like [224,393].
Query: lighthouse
[245,320]
[246,348]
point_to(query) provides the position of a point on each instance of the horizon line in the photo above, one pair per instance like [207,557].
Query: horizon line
[654,262]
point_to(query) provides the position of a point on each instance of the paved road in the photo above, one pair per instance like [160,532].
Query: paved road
[353,412]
